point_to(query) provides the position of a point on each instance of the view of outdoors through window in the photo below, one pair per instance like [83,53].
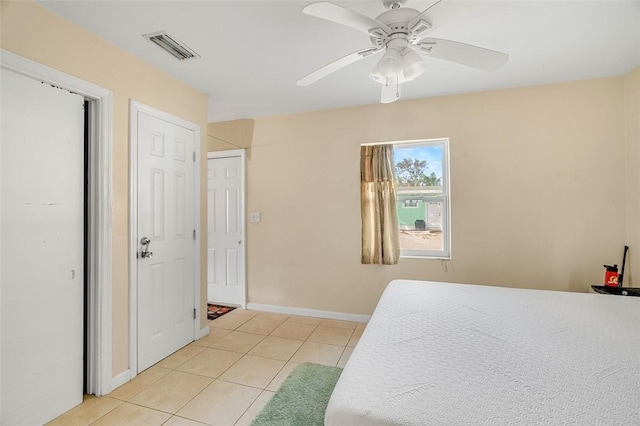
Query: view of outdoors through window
[421,200]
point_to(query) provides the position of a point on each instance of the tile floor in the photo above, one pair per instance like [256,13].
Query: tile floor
[224,378]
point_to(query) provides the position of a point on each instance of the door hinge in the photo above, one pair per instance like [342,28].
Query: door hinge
[194,156]
[194,313]
[194,234]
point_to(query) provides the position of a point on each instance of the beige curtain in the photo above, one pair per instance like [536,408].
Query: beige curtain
[380,236]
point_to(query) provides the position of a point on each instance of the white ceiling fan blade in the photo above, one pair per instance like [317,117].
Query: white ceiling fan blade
[419,24]
[465,54]
[390,92]
[336,65]
[341,15]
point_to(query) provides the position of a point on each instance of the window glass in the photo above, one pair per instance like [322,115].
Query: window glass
[423,197]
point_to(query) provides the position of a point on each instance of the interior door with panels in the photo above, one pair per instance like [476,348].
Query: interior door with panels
[225,230]
[166,238]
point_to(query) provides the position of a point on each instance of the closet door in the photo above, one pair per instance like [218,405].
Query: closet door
[41,251]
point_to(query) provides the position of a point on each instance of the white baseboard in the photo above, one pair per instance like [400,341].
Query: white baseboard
[204,331]
[308,312]
[120,379]
[125,376]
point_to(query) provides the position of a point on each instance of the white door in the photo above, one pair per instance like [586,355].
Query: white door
[166,279]
[41,250]
[225,233]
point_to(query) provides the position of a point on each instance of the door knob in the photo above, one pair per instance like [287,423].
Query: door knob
[145,253]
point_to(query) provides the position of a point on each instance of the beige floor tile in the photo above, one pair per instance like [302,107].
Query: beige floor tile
[210,362]
[345,357]
[331,335]
[257,325]
[221,403]
[181,421]
[305,320]
[229,322]
[245,312]
[355,337]
[294,330]
[238,341]
[255,409]
[215,334]
[281,376]
[276,348]
[140,382]
[351,325]
[253,371]
[178,358]
[237,396]
[91,409]
[130,414]
[172,392]
[320,353]
[273,316]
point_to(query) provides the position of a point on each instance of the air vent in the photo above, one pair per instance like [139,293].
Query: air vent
[171,45]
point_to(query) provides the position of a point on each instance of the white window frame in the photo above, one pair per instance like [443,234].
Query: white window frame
[445,253]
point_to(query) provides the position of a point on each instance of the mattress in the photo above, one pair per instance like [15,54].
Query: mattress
[445,354]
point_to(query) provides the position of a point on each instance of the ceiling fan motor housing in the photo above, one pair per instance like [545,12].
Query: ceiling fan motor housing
[393,4]
[398,21]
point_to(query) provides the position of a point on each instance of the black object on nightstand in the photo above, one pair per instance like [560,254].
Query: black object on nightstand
[619,291]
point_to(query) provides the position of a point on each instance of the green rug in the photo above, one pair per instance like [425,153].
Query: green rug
[302,399]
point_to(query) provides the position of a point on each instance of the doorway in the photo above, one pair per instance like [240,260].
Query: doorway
[165,241]
[43,223]
[42,209]
[97,148]
[226,252]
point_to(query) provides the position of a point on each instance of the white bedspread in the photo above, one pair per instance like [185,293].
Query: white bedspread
[455,354]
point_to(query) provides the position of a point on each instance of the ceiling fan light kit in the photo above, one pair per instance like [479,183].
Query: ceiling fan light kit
[391,62]
[400,33]
[412,64]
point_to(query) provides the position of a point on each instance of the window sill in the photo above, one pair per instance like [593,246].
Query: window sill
[426,257]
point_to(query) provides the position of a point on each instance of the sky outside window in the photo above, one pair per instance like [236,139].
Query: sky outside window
[432,154]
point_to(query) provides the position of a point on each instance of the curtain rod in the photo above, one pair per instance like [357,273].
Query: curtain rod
[403,142]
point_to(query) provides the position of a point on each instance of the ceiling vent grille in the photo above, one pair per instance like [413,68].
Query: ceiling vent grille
[171,45]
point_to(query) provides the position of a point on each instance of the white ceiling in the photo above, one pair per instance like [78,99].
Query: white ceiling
[253,52]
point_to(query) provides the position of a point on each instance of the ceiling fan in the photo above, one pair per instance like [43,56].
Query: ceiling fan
[400,33]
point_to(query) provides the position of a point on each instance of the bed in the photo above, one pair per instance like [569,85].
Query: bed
[456,354]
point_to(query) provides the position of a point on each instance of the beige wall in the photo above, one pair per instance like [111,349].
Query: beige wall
[537,192]
[35,33]
[632,139]
[226,135]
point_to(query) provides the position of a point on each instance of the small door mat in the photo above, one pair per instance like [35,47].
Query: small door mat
[216,311]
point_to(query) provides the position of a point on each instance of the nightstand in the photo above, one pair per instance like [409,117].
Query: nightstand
[618,291]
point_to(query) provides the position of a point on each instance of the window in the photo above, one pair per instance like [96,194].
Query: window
[411,204]
[422,174]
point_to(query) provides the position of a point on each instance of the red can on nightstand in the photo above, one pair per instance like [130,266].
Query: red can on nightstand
[611,275]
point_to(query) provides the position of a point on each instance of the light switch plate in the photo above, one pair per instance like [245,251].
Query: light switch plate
[255,217]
